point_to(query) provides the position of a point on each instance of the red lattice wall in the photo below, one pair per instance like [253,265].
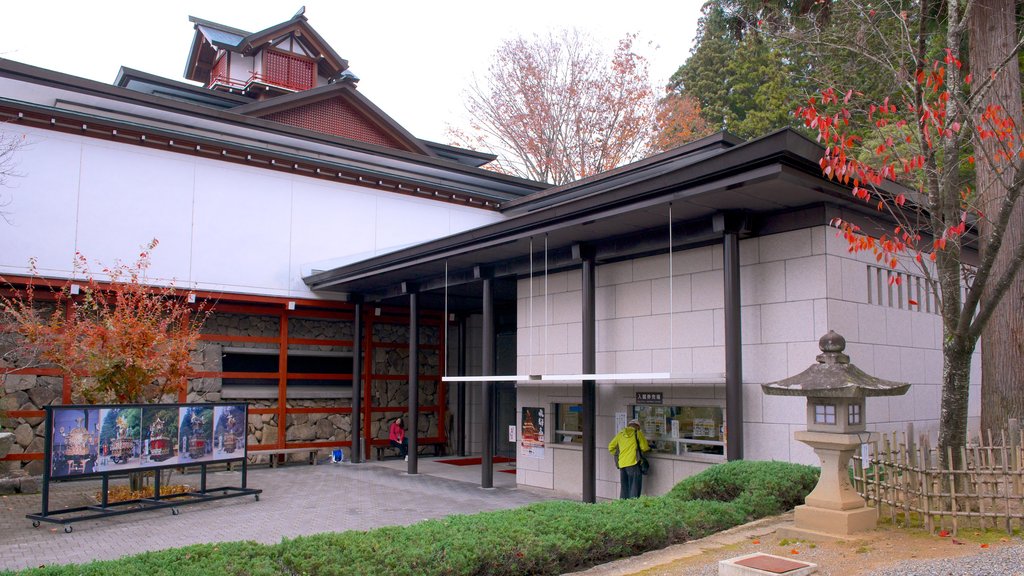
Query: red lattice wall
[288,70]
[220,70]
[339,118]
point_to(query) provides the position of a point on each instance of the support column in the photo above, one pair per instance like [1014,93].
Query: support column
[733,345]
[589,365]
[414,382]
[486,401]
[356,455]
[460,390]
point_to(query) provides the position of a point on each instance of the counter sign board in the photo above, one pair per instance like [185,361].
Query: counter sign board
[649,398]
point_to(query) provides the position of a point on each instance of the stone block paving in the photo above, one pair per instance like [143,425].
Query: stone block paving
[296,500]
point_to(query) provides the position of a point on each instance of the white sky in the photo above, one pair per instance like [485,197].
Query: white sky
[414,58]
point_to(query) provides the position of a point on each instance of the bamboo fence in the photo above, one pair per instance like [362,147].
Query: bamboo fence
[905,480]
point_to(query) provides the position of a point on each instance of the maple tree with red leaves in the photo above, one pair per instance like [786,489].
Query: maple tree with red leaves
[920,158]
[119,341]
[554,109]
[679,121]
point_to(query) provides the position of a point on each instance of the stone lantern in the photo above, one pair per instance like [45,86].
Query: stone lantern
[835,392]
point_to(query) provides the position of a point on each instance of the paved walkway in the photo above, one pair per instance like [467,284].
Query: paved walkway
[297,500]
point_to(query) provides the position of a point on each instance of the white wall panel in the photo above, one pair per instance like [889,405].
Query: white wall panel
[328,223]
[42,203]
[131,195]
[221,226]
[242,229]
[402,221]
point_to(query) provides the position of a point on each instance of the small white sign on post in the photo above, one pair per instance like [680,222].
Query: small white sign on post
[865,463]
[620,421]
[512,433]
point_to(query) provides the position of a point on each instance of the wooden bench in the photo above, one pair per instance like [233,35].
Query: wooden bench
[439,447]
[274,454]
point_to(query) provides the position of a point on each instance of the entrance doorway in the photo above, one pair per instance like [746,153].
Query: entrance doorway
[504,395]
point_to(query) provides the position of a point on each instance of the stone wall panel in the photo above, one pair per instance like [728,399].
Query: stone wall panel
[28,392]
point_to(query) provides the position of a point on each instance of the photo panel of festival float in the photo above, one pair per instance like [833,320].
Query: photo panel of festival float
[114,440]
[160,430]
[74,441]
[195,433]
[228,430]
[120,439]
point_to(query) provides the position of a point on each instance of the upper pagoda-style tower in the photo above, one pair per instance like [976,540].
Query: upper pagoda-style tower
[287,57]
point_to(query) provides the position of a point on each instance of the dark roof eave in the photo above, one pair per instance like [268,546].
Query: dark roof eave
[60,80]
[487,156]
[258,38]
[784,143]
[717,139]
[125,74]
[211,24]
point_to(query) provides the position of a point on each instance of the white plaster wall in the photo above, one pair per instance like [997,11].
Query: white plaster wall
[221,226]
[240,68]
[795,287]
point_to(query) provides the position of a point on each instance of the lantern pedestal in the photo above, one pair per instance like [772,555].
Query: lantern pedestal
[833,508]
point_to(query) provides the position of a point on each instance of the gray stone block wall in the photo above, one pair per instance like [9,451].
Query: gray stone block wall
[29,392]
[389,361]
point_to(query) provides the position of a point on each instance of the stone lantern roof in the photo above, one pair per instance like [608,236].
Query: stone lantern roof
[834,377]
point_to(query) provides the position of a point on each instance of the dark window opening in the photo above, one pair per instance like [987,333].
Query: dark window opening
[303,368]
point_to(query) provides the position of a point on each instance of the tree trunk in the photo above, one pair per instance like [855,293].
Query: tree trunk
[993,34]
[956,378]
[136,481]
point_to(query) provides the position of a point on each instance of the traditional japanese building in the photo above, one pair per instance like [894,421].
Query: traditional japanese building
[336,246]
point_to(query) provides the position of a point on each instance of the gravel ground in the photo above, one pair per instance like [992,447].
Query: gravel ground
[1007,561]
[880,552]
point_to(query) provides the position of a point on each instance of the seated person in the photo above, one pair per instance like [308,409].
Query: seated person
[397,436]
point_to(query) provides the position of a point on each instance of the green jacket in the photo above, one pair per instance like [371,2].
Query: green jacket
[626,442]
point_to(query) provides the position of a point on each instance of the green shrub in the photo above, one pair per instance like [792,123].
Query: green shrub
[543,538]
[759,489]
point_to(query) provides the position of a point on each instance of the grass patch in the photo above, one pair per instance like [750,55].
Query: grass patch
[546,538]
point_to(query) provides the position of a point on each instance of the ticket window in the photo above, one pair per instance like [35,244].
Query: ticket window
[569,424]
[682,430]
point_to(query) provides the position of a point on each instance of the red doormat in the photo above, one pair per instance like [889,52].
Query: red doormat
[474,461]
[513,471]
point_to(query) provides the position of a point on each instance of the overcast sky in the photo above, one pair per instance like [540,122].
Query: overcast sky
[414,59]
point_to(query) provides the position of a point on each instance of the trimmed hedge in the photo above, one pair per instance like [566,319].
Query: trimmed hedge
[545,538]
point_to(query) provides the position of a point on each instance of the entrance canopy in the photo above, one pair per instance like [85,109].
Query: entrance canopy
[768,185]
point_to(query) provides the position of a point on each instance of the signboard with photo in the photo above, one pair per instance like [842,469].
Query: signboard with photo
[87,440]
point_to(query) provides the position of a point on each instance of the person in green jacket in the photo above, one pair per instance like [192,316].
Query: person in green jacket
[627,446]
